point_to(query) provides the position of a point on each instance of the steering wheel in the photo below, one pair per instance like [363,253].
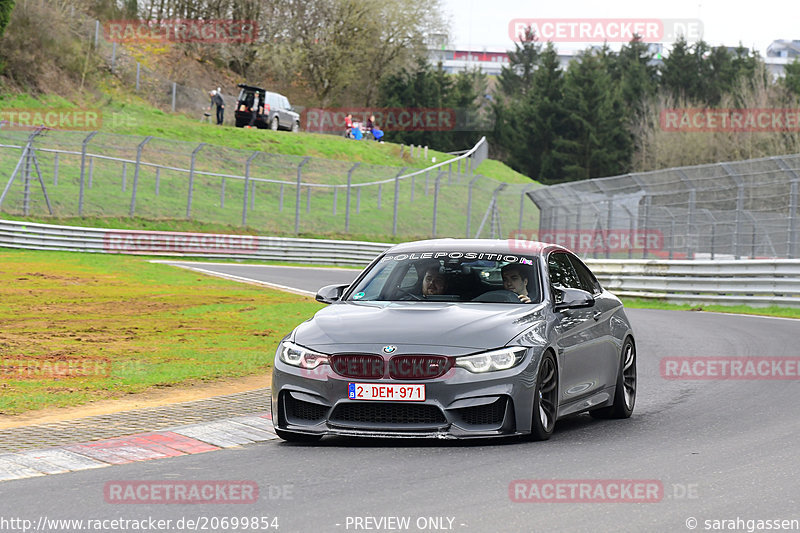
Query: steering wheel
[409,293]
[497,296]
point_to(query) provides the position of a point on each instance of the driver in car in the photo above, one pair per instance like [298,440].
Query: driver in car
[434,282]
[516,281]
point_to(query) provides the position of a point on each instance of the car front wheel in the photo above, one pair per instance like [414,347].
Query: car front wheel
[545,399]
[625,391]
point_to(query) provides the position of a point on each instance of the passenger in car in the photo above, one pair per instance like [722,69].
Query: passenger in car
[515,280]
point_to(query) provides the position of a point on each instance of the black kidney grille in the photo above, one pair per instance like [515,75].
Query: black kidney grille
[301,410]
[388,413]
[419,366]
[492,413]
[362,366]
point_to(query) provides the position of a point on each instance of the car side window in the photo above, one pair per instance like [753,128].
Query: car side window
[410,279]
[588,282]
[562,274]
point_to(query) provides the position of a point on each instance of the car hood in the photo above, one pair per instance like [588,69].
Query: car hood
[474,326]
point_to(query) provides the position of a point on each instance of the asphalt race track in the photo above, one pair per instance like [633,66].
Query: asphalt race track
[719,450]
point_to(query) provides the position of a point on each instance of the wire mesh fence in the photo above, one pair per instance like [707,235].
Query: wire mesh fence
[726,210]
[67,174]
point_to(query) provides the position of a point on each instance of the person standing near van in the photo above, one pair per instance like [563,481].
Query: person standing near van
[217,100]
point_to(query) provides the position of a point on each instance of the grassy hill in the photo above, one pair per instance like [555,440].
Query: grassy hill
[273,209]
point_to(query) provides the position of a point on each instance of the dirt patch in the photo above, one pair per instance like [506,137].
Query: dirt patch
[150,398]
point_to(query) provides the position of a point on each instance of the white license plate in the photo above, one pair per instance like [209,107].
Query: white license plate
[381,391]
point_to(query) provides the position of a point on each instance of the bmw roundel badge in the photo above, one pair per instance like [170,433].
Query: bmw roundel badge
[389,349]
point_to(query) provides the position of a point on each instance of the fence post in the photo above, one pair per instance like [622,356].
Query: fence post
[347,200]
[739,212]
[55,170]
[96,32]
[793,221]
[83,170]
[691,229]
[158,180]
[396,198]
[426,152]
[247,185]
[469,203]
[138,75]
[91,171]
[222,194]
[191,180]
[647,200]
[113,55]
[280,199]
[297,196]
[252,195]
[174,86]
[436,200]
[335,198]
[124,175]
[136,173]
[522,205]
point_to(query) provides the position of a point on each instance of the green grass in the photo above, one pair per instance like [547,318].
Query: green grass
[118,325]
[776,311]
[107,200]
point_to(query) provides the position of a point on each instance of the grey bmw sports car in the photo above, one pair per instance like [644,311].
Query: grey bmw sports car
[457,338]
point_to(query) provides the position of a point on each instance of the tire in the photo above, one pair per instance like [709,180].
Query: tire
[625,391]
[545,399]
[295,127]
[289,436]
[274,124]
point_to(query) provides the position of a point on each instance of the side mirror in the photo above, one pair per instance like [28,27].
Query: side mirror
[573,299]
[330,293]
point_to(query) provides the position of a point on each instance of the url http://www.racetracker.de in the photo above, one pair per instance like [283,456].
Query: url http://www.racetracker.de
[44,524]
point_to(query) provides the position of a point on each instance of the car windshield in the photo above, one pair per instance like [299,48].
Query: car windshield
[449,276]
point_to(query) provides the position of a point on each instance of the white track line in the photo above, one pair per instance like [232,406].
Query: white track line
[248,280]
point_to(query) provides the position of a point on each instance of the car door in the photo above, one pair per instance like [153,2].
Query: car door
[578,338]
[603,312]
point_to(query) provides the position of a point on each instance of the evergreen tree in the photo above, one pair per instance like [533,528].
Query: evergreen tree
[515,79]
[594,141]
[547,115]
[6,6]
[791,79]
[638,77]
[679,71]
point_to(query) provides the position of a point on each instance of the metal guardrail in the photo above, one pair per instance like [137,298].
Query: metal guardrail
[749,282]
[34,236]
[755,282]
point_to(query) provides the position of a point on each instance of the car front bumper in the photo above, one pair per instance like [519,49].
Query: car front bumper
[459,404]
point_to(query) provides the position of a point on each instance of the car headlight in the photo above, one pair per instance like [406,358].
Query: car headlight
[502,359]
[295,355]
